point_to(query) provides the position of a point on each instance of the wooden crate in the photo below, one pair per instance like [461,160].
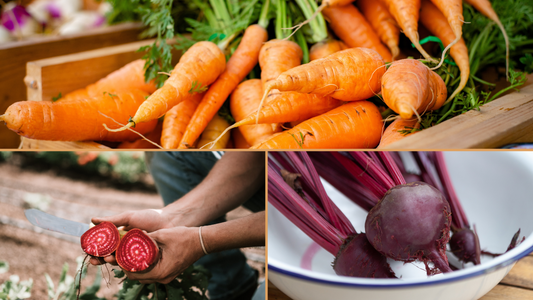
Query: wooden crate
[506,120]
[15,55]
[47,78]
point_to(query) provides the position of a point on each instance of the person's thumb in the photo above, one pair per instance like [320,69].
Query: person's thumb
[157,236]
[121,219]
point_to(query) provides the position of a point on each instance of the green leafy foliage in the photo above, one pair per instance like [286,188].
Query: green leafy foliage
[196,87]
[124,166]
[13,288]
[191,285]
[54,99]
[527,60]
[4,266]
[486,47]
[67,287]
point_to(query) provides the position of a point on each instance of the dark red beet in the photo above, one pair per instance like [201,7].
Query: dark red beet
[411,222]
[357,258]
[136,252]
[465,246]
[100,240]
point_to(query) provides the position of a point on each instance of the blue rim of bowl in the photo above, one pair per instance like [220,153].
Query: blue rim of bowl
[402,284]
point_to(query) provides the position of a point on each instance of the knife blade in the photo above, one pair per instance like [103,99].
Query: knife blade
[50,222]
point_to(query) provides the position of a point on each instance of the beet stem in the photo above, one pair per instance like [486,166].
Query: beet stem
[459,219]
[377,189]
[392,167]
[373,169]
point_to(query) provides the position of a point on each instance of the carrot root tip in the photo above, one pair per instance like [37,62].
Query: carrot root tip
[130,124]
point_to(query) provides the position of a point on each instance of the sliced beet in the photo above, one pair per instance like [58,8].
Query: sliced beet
[100,240]
[411,222]
[357,258]
[137,251]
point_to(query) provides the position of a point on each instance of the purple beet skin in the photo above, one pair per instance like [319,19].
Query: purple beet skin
[412,222]
[465,246]
[357,258]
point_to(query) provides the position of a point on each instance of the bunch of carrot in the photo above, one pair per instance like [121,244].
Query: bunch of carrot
[327,102]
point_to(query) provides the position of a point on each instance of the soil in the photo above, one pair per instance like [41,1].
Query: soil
[32,252]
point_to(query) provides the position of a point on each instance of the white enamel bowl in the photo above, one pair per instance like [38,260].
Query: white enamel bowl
[496,189]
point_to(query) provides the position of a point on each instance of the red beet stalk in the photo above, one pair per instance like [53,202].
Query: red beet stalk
[302,199]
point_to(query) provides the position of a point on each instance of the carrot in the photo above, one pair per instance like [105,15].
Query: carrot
[383,23]
[276,57]
[409,87]
[406,14]
[352,125]
[198,67]
[349,75]
[239,65]
[215,127]
[243,102]
[354,30]
[127,78]
[176,121]
[325,48]
[77,120]
[238,139]
[437,24]
[394,132]
[154,136]
[453,11]
[486,9]
[283,107]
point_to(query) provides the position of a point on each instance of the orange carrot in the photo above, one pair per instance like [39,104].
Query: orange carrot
[283,107]
[383,24]
[127,78]
[406,14]
[216,126]
[349,75]
[198,67]
[394,132]
[435,22]
[239,142]
[239,65]
[352,125]
[409,87]
[276,57]
[77,120]
[325,48]
[176,121]
[244,101]
[154,136]
[486,9]
[453,11]
[354,30]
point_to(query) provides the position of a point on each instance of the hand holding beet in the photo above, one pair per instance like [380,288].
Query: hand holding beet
[179,248]
[148,220]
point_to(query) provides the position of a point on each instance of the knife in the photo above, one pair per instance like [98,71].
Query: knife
[53,223]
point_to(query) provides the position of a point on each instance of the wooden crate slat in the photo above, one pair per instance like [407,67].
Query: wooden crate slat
[56,145]
[47,78]
[15,55]
[506,120]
